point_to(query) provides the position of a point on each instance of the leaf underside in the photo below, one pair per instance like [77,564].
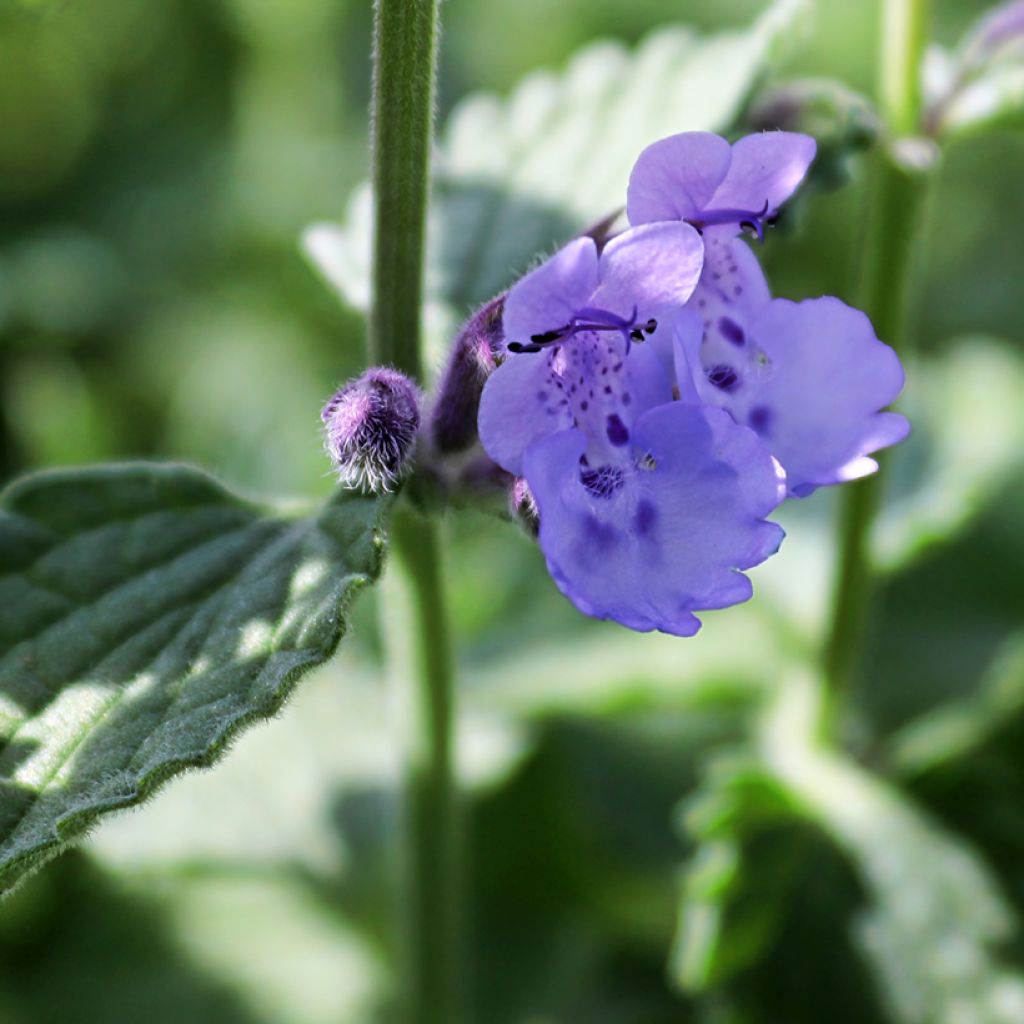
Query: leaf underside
[147,615]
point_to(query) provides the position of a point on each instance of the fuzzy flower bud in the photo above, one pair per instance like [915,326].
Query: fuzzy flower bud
[472,360]
[370,427]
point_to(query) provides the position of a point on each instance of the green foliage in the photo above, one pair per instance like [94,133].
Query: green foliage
[146,616]
[931,916]
[967,443]
[980,85]
[516,177]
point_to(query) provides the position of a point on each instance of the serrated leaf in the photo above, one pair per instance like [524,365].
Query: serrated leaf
[146,616]
[516,177]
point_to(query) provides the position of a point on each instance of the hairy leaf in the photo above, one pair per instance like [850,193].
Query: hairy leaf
[146,616]
[516,177]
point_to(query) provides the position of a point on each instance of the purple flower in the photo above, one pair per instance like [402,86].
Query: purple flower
[569,326]
[811,378]
[699,178]
[649,507]
[656,402]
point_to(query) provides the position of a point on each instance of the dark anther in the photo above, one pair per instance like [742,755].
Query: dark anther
[651,326]
[515,346]
[547,336]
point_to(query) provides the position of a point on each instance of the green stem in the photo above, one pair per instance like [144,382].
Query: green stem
[902,44]
[420,662]
[404,69]
[886,264]
[416,626]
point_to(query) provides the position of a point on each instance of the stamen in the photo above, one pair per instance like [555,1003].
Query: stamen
[588,319]
[748,220]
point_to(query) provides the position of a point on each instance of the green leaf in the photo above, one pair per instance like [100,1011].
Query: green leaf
[925,912]
[994,100]
[516,177]
[147,615]
[957,729]
[935,916]
[966,443]
[980,85]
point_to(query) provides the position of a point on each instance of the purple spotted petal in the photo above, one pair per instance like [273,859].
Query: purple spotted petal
[519,406]
[765,168]
[814,388]
[653,269]
[580,383]
[732,289]
[551,295]
[651,546]
[675,178]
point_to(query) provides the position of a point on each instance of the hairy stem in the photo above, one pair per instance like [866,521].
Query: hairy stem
[404,69]
[420,663]
[887,258]
[415,612]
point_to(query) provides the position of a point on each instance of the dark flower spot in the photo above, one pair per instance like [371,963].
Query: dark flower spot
[584,405]
[645,518]
[760,419]
[724,377]
[731,330]
[626,398]
[616,430]
[542,396]
[607,389]
[603,482]
[599,535]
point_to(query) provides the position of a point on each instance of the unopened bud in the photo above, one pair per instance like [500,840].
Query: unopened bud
[370,427]
[472,360]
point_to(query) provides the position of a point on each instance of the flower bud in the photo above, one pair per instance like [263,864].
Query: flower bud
[473,358]
[370,427]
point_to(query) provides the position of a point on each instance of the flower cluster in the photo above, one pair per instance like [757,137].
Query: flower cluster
[659,403]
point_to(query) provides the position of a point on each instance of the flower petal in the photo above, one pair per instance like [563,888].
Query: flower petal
[518,407]
[551,295]
[817,402]
[731,290]
[765,168]
[672,539]
[674,178]
[653,269]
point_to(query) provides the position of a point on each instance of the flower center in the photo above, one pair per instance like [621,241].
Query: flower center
[749,220]
[589,319]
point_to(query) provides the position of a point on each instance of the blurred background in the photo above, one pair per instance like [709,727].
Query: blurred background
[158,163]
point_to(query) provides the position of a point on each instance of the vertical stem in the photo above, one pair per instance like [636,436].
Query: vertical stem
[420,663]
[404,69]
[416,626]
[886,263]
[901,47]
